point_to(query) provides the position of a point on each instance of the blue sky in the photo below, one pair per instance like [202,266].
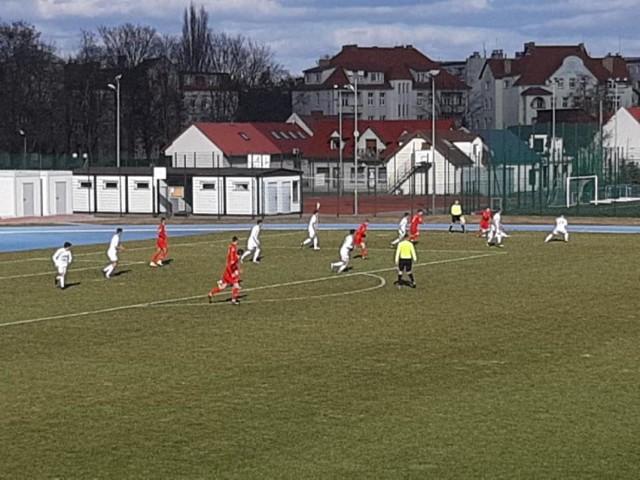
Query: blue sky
[301,31]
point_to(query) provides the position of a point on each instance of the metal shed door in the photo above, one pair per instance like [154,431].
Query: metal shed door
[285,190]
[272,198]
[27,199]
[61,198]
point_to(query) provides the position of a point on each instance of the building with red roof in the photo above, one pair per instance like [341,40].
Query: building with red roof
[393,83]
[621,136]
[512,91]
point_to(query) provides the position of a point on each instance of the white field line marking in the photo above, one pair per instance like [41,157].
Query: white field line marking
[382,283]
[192,297]
[133,249]
[53,271]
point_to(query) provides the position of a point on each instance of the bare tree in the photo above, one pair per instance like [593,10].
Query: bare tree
[129,45]
[195,44]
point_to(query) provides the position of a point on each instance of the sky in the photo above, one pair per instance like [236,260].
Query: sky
[301,31]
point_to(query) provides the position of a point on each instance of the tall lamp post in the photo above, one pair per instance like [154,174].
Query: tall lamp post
[23,134]
[340,161]
[433,74]
[116,87]
[354,87]
[615,82]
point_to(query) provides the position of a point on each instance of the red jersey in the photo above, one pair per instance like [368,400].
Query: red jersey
[416,220]
[162,236]
[360,234]
[485,219]
[232,253]
[231,273]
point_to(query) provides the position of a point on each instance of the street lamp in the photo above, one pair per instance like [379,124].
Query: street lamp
[554,82]
[354,87]
[615,82]
[340,166]
[432,74]
[116,88]
[86,164]
[23,134]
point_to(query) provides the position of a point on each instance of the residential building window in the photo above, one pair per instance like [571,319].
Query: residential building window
[295,198]
[371,117]
[487,84]
[345,101]
[419,98]
[572,82]
[383,98]
[370,99]
[565,102]
[537,103]
[560,82]
[208,186]
[383,117]
[240,187]
[399,111]
[317,99]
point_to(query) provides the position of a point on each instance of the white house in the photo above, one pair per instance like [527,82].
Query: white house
[28,193]
[621,135]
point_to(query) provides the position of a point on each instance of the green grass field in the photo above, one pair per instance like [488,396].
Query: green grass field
[519,362]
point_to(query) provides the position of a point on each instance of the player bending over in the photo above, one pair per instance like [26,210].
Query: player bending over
[414,229]
[485,222]
[560,229]
[496,231]
[345,252]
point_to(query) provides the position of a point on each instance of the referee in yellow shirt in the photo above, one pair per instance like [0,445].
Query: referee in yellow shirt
[456,216]
[405,256]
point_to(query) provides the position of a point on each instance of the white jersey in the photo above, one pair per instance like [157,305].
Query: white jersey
[112,251]
[62,257]
[561,226]
[313,225]
[496,221]
[254,238]
[346,247]
[402,226]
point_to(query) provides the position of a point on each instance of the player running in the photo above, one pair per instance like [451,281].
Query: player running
[253,244]
[402,229]
[560,229]
[496,231]
[414,229]
[114,249]
[485,222]
[358,239]
[62,258]
[345,253]
[162,245]
[312,230]
[232,251]
[230,277]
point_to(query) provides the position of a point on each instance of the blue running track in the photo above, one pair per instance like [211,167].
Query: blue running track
[13,239]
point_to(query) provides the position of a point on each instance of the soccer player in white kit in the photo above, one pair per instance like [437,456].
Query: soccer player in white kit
[253,244]
[496,232]
[345,253]
[312,231]
[560,229]
[402,229]
[112,253]
[62,258]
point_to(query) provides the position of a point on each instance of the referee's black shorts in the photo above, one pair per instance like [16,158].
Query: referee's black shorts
[404,264]
[455,218]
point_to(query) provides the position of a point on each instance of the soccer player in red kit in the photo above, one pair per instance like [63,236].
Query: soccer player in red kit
[230,277]
[485,222]
[414,229]
[162,245]
[358,239]
[232,251]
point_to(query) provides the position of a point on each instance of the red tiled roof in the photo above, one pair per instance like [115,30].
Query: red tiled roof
[635,113]
[238,138]
[538,63]
[285,136]
[395,62]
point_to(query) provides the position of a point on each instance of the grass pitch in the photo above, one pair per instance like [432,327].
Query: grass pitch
[519,362]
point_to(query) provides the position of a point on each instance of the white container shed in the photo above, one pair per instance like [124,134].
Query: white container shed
[29,193]
[113,190]
[241,191]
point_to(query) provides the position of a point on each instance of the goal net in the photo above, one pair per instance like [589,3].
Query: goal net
[581,190]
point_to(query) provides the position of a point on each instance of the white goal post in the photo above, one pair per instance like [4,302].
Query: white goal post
[584,177]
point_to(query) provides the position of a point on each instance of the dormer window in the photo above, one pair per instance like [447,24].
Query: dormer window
[244,136]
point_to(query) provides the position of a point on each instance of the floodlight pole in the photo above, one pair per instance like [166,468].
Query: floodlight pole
[432,74]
